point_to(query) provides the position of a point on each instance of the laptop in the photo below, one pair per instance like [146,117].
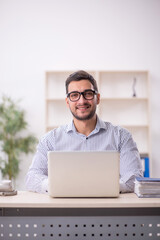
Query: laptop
[83,174]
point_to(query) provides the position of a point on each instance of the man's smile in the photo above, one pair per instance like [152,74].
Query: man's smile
[83,107]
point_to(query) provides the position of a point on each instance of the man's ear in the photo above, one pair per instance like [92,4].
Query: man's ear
[67,102]
[98,98]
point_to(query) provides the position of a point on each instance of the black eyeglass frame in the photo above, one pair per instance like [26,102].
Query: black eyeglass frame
[83,94]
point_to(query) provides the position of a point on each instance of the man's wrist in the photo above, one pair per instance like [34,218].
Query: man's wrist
[44,188]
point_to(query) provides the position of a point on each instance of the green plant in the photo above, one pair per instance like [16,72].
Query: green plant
[12,143]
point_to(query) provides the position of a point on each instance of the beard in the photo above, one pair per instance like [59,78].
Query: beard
[86,117]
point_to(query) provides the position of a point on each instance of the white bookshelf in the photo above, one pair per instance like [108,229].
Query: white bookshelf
[117,102]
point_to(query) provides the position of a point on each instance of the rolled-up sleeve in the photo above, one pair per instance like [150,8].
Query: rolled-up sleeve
[130,163]
[37,176]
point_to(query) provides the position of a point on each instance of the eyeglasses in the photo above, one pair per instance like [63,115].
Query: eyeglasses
[88,94]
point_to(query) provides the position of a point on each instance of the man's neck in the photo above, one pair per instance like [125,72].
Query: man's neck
[85,127]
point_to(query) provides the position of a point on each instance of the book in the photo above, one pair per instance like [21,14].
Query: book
[146,187]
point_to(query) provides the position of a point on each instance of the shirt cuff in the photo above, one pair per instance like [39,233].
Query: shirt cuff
[44,188]
[127,187]
[123,187]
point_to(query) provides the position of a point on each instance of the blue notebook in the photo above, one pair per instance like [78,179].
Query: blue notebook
[147,179]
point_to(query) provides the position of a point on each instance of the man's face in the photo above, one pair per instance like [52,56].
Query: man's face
[82,109]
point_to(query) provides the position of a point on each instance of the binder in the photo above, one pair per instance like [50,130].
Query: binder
[145,166]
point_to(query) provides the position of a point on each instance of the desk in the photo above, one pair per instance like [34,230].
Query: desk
[36,216]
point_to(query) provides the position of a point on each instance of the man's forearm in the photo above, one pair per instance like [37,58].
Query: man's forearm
[37,183]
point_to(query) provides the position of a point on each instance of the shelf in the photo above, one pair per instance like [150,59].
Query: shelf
[55,99]
[136,126]
[102,99]
[124,99]
[124,126]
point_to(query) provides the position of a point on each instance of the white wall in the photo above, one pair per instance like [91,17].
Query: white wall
[41,35]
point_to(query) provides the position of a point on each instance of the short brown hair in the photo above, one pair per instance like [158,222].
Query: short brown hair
[81,75]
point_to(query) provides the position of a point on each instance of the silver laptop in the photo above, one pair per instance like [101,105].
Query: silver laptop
[83,174]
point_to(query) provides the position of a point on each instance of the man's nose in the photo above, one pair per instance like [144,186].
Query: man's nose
[81,99]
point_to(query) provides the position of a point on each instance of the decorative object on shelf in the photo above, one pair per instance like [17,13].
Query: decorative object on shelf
[12,143]
[133,87]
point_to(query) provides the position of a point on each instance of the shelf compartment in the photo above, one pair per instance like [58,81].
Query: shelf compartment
[55,84]
[120,84]
[140,135]
[124,112]
[58,113]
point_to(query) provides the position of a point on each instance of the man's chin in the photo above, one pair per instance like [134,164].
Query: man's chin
[84,117]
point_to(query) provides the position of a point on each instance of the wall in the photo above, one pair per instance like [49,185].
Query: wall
[41,35]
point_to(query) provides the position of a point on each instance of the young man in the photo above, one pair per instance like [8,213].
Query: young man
[85,133]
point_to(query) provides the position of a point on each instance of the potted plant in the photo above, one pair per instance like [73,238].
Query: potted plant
[12,142]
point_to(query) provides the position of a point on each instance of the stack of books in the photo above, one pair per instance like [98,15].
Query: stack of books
[146,187]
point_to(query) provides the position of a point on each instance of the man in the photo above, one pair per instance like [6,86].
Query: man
[85,133]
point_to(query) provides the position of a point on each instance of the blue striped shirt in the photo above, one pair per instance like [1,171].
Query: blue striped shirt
[104,137]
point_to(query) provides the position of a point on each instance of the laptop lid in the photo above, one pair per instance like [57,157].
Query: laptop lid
[83,174]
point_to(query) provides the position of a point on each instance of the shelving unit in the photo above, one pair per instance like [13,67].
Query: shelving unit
[118,105]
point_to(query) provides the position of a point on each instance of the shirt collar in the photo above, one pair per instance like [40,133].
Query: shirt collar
[71,127]
[99,125]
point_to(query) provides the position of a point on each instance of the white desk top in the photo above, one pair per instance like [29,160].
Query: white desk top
[36,200]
